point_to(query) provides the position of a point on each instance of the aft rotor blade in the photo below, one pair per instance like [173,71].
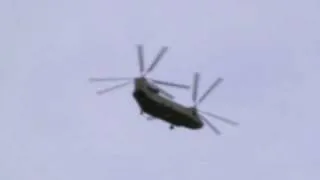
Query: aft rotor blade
[214,85]
[113,88]
[141,58]
[108,79]
[196,79]
[157,59]
[214,129]
[221,118]
[171,84]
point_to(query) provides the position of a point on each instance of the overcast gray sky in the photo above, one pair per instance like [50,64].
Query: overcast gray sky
[53,126]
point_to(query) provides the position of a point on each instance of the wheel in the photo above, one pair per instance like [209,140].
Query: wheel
[171,127]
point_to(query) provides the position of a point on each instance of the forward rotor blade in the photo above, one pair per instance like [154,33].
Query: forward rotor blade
[157,59]
[171,84]
[163,92]
[113,88]
[196,79]
[141,58]
[205,120]
[108,79]
[214,85]
[221,118]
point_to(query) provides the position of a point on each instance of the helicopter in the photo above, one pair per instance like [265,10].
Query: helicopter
[159,104]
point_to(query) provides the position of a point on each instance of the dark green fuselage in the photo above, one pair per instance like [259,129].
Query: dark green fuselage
[152,103]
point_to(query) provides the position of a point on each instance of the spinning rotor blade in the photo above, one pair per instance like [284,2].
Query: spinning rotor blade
[141,58]
[170,84]
[108,79]
[157,59]
[221,118]
[215,84]
[196,79]
[205,120]
[113,88]
[165,93]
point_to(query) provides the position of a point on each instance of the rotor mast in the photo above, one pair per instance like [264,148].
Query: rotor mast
[197,102]
[142,74]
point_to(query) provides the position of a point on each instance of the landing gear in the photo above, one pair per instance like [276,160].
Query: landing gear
[171,127]
[141,112]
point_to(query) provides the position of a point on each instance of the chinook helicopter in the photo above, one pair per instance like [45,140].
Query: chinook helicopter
[159,104]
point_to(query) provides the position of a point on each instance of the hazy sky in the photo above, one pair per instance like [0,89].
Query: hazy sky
[54,127]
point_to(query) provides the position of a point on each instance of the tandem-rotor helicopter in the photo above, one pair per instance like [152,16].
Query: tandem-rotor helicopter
[159,104]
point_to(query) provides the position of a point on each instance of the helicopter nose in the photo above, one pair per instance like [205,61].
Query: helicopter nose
[199,124]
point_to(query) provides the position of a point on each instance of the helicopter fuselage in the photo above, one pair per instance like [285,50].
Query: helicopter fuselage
[151,102]
[159,104]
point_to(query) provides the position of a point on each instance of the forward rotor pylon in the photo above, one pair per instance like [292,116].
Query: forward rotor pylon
[197,101]
[142,74]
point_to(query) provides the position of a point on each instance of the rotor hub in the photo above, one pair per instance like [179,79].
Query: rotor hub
[194,111]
